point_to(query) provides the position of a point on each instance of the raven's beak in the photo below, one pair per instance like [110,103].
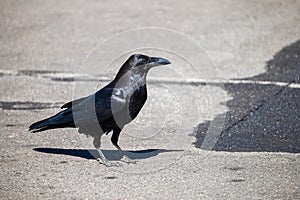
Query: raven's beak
[159,61]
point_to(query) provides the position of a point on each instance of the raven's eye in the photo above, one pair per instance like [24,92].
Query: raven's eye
[142,61]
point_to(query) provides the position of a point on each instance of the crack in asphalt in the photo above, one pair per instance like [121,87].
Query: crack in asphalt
[256,108]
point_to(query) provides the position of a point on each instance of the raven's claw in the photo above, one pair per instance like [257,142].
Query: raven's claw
[127,160]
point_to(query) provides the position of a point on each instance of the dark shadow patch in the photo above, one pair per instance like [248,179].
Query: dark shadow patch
[109,154]
[27,105]
[36,72]
[263,117]
[235,168]
[237,180]
[78,79]
[63,79]
[11,125]
[145,151]
[33,73]
[110,177]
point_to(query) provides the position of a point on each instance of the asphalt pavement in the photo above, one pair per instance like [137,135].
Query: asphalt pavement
[223,127]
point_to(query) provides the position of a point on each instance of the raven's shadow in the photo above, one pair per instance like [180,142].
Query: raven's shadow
[109,154]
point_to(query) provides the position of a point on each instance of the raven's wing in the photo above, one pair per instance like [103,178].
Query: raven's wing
[98,107]
[73,103]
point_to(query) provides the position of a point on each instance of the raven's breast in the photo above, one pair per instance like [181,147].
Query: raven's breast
[137,100]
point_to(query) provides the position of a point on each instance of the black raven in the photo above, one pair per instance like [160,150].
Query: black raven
[110,108]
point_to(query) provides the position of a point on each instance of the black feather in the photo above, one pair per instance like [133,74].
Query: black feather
[72,103]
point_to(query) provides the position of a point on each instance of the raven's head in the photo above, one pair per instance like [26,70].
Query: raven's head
[140,65]
[143,63]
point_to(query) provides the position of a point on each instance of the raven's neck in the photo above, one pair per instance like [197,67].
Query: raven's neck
[130,79]
[123,70]
[138,80]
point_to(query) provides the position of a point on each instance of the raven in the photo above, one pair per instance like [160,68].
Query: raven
[110,108]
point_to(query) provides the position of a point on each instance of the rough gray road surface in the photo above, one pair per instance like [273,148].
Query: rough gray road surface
[255,46]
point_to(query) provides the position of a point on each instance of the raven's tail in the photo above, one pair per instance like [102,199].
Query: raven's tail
[57,121]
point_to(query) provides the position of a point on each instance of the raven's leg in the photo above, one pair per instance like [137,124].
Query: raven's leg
[114,140]
[102,159]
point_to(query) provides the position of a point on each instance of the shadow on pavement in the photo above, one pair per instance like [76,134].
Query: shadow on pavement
[109,154]
[263,117]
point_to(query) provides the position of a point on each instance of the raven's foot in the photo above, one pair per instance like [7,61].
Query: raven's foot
[108,163]
[127,160]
